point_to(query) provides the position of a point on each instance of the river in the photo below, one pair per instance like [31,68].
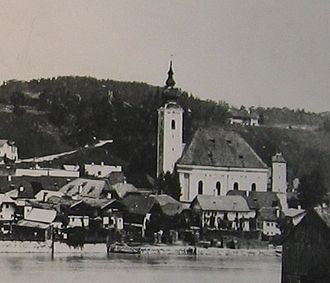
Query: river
[39,268]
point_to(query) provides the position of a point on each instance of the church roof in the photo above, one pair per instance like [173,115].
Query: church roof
[220,148]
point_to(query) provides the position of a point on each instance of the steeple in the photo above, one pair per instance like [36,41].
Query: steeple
[170,82]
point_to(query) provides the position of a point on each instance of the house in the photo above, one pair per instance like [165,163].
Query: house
[217,161]
[269,221]
[90,188]
[306,250]
[7,209]
[100,170]
[8,151]
[36,226]
[44,195]
[243,117]
[223,212]
[120,190]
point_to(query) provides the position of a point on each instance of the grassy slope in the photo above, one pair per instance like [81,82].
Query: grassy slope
[304,150]
[33,134]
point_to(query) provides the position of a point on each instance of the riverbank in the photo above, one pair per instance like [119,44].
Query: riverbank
[61,248]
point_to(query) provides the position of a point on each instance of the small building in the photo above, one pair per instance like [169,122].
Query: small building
[8,151]
[100,170]
[306,250]
[243,117]
[223,212]
[36,226]
[7,208]
[269,221]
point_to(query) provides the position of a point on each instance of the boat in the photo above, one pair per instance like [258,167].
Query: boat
[122,248]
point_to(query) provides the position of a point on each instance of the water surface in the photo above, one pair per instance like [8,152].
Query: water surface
[135,268]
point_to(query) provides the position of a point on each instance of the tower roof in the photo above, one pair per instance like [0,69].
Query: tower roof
[170,82]
[278,158]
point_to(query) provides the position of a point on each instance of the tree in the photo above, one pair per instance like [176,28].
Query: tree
[169,184]
[311,190]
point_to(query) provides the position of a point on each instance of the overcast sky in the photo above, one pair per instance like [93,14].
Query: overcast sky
[248,52]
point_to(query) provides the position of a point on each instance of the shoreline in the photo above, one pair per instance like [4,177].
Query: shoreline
[16,247]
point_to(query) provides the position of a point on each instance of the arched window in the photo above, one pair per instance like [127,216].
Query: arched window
[218,188]
[173,124]
[236,186]
[253,187]
[200,187]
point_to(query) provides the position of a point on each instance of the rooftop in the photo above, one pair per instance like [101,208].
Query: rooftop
[221,203]
[220,148]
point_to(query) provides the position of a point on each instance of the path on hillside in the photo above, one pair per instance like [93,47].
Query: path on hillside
[57,155]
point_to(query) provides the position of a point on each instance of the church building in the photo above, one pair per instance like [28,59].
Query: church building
[216,160]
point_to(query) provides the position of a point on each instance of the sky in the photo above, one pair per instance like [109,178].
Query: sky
[245,52]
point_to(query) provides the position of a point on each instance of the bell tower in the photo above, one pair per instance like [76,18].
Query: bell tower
[170,127]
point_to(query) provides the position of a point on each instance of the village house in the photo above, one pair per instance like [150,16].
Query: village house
[243,117]
[8,151]
[223,212]
[269,221]
[306,250]
[82,187]
[36,225]
[100,170]
[7,208]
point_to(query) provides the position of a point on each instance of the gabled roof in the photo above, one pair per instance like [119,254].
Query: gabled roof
[41,215]
[258,200]
[6,199]
[86,188]
[217,147]
[168,205]
[220,203]
[243,114]
[2,142]
[138,203]
[268,213]
[121,189]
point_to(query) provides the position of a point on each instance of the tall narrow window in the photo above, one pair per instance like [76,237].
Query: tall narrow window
[236,186]
[173,124]
[218,188]
[200,187]
[253,187]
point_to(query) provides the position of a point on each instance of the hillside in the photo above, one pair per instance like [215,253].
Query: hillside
[304,150]
[53,115]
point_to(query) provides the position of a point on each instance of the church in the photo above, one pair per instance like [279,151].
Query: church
[215,162]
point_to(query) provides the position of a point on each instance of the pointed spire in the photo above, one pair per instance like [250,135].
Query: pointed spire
[170,82]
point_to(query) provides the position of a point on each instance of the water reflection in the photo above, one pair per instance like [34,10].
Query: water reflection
[136,268]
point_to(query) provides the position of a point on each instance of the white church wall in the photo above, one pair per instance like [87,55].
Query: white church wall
[190,176]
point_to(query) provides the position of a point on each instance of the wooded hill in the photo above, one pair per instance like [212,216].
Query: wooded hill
[53,115]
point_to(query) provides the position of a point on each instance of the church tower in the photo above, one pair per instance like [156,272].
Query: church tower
[279,178]
[170,128]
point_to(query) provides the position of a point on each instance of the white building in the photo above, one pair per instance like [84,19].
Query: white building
[8,150]
[218,161]
[101,170]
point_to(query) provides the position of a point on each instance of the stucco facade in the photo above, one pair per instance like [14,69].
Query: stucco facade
[243,179]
